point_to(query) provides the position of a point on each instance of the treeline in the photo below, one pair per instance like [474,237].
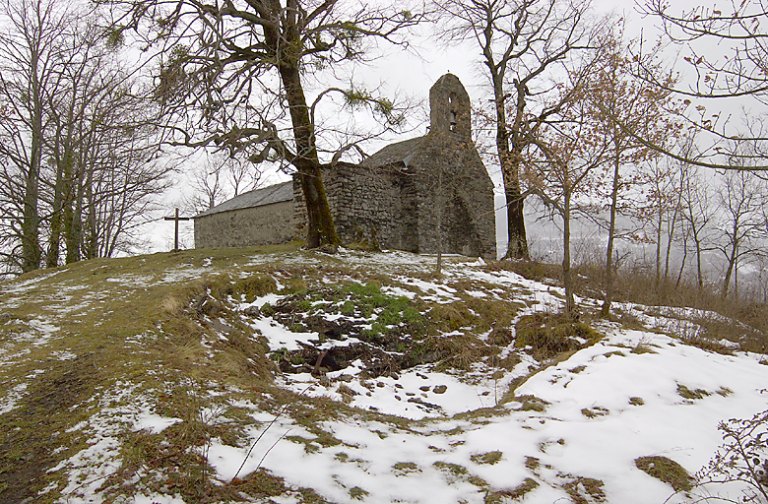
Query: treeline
[77,141]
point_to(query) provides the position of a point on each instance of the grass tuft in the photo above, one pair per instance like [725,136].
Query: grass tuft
[666,470]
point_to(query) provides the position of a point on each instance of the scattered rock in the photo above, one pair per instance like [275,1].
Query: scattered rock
[440,389]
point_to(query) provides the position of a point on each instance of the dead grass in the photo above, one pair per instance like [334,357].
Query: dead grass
[638,286]
[550,335]
[666,470]
[517,493]
[585,490]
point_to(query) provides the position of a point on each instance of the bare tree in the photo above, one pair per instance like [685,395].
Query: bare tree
[698,213]
[241,76]
[28,68]
[220,177]
[571,149]
[735,69]
[741,199]
[523,44]
[635,105]
[83,163]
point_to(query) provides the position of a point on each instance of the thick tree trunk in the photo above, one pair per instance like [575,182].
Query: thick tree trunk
[30,226]
[728,274]
[518,240]
[509,160]
[321,230]
[30,233]
[54,238]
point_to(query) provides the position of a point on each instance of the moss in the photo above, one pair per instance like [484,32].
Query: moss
[454,472]
[492,457]
[666,470]
[532,463]
[260,483]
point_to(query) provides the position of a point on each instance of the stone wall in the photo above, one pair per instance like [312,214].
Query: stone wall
[365,204]
[398,207]
[264,225]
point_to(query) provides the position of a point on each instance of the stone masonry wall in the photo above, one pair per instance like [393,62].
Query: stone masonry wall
[265,225]
[365,204]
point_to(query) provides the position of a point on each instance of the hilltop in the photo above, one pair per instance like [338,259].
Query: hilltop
[283,376]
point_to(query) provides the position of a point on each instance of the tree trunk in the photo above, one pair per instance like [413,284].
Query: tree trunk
[54,238]
[658,245]
[570,302]
[605,310]
[321,230]
[697,244]
[30,232]
[728,273]
[518,241]
[509,161]
[683,261]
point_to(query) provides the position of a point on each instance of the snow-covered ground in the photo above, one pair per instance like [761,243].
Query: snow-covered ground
[570,433]
[603,407]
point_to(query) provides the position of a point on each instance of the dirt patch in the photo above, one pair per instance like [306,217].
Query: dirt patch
[38,425]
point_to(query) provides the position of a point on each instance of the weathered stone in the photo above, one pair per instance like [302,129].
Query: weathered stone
[422,195]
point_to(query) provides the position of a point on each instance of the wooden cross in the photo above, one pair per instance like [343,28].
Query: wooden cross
[176,220]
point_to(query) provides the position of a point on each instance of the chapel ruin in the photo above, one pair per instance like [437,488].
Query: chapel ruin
[411,195]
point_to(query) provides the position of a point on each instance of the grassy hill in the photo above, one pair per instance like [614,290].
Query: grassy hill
[278,375]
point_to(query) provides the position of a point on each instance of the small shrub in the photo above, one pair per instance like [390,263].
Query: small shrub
[743,457]
[666,470]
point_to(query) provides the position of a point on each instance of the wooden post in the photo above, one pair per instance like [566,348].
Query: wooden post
[176,220]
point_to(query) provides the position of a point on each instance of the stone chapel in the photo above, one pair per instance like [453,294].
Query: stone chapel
[398,198]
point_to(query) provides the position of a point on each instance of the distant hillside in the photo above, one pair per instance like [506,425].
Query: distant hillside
[284,376]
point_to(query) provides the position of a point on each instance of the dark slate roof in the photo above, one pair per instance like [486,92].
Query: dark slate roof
[259,197]
[400,152]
